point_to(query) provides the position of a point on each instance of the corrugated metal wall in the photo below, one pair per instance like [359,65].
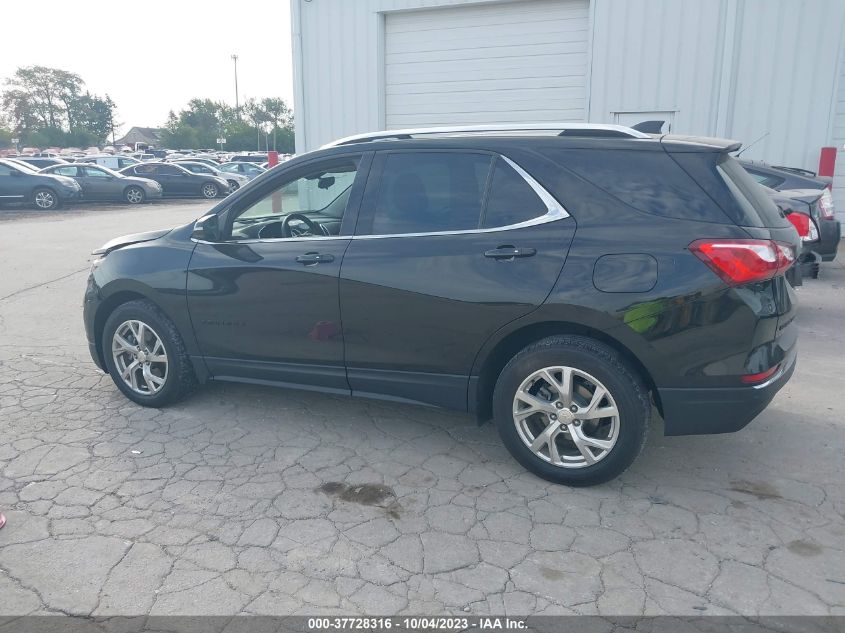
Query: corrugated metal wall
[736,68]
[839,139]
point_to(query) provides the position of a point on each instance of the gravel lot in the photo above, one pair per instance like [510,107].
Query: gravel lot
[257,500]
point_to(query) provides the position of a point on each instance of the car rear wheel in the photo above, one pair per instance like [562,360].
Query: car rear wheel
[233,185]
[145,355]
[209,190]
[134,195]
[571,410]
[45,199]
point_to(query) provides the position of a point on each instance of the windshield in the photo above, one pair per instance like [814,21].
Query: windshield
[24,166]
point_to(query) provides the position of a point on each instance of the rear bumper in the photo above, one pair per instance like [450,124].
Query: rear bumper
[725,410]
[830,232]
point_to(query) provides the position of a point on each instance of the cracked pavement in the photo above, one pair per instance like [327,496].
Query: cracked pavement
[256,500]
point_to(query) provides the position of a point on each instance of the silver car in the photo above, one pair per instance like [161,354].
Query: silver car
[250,170]
[236,181]
[101,183]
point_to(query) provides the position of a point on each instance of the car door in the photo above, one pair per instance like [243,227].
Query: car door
[265,306]
[450,246]
[96,183]
[14,185]
[176,181]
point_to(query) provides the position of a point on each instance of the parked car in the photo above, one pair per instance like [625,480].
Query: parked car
[115,163]
[781,178]
[463,283]
[256,158]
[235,181]
[823,230]
[250,170]
[99,183]
[40,162]
[178,181]
[20,182]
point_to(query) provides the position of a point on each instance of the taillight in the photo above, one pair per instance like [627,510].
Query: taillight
[751,379]
[801,222]
[742,261]
[826,207]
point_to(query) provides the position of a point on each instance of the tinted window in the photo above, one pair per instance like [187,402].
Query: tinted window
[424,192]
[511,200]
[168,170]
[142,170]
[67,170]
[5,171]
[765,179]
[649,181]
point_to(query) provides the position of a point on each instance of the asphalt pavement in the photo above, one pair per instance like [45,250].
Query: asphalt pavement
[257,500]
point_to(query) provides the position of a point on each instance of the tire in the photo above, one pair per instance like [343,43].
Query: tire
[134,195]
[45,199]
[167,382]
[590,364]
[209,190]
[233,185]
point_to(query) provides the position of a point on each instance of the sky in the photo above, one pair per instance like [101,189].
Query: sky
[152,56]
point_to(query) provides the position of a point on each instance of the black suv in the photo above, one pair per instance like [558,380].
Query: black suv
[561,284]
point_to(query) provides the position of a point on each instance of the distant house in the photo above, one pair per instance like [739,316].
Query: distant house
[151,136]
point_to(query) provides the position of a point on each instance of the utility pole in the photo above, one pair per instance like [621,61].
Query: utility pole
[237,103]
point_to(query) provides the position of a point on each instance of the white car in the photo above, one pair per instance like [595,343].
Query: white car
[111,162]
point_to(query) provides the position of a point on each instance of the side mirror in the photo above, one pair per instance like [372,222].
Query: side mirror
[207,229]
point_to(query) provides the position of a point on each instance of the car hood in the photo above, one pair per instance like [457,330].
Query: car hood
[127,240]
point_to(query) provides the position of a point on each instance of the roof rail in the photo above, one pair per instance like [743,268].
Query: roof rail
[560,129]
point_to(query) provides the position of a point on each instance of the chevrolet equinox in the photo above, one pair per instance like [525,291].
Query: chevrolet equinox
[562,280]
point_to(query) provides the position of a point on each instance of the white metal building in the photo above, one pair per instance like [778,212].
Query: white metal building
[742,69]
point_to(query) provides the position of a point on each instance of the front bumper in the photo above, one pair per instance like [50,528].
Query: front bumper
[721,410]
[89,312]
[69,195]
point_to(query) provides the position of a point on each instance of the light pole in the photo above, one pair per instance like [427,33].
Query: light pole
[237,103]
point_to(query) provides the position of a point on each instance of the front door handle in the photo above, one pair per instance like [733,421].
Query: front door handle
[310,259]
[510,252]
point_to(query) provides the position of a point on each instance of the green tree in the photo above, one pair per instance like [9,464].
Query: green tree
[203,121]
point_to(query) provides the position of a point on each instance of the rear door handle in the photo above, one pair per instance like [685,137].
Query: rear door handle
[310,259]
[510,252]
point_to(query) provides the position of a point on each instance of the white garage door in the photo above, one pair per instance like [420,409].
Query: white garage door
[492,63]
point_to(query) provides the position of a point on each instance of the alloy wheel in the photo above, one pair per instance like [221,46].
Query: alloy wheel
[209,190]
[566,417]
[134,195]
[45,200]
[139,357]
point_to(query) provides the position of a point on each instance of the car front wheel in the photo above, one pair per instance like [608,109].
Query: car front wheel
[571,410]
[209,190]
[45,199]
[145,355]
[134,195]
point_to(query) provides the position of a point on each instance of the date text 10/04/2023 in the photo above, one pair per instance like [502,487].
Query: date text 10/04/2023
[417,623]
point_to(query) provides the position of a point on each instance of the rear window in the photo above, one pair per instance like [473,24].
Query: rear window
[756,205]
